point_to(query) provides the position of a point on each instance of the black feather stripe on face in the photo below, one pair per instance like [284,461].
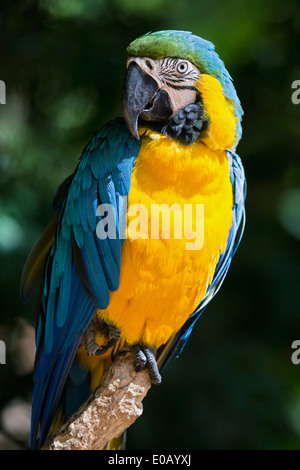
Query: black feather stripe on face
[182,87]
[169,74]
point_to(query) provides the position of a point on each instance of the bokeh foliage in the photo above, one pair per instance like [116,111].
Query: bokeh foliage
[234,387]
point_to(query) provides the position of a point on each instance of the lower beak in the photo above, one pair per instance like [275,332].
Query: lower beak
[143,98]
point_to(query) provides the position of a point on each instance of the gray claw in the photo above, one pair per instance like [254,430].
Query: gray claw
[94,349]
[145,357]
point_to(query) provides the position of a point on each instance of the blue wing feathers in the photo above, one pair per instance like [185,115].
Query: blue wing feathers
[64,293]
[81,269]
[92,274]
[110,267]
[77,388]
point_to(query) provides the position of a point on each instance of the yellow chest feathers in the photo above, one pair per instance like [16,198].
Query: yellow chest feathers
[179,217]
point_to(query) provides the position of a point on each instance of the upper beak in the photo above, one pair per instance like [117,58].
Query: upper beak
[142,97]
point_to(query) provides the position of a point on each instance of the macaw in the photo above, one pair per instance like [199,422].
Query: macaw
[175,145]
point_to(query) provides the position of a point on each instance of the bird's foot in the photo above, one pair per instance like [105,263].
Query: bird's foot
[145,357]
[110,331]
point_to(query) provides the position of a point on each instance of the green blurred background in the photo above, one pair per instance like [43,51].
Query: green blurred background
[63,61]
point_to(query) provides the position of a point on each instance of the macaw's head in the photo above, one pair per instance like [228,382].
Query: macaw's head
[177,85]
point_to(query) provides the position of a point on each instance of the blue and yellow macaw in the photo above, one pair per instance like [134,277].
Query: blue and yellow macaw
[175,145]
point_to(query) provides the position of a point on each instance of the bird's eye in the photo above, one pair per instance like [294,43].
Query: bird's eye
[182,67]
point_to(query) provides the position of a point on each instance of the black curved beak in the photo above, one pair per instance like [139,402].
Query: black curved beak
[143,98]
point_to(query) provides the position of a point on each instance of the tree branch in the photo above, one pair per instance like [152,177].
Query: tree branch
[110,410]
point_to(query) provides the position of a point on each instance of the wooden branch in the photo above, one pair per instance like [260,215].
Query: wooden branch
[112,408]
